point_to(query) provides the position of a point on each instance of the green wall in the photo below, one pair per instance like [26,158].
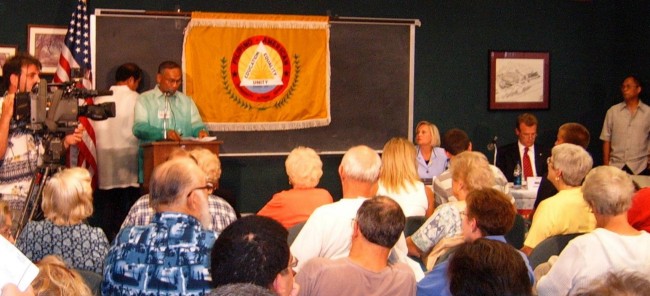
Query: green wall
[593,45]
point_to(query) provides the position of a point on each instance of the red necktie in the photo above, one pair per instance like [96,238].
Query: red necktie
[528,168]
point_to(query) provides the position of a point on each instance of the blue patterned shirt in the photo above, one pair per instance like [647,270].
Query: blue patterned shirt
[170,256]
[80,246]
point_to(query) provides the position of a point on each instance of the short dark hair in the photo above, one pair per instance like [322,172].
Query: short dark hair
[127,71]
[167,65]
[636,80]
[488,267]
[527,119]
[575,133]
[494,213]
[381,221]
[253,249]
[15,64]
[242,289]
[455,141]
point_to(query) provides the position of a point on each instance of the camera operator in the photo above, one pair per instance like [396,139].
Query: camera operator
[21,151]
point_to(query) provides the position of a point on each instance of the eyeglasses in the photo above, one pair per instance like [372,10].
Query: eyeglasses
[208,188]
[293,263]
[625,86]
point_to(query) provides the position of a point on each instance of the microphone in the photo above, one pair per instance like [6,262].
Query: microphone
[493,144]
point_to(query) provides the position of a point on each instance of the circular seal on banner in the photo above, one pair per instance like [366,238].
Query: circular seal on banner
[260,68]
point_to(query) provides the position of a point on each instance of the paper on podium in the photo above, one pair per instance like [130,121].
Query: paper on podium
[204,139]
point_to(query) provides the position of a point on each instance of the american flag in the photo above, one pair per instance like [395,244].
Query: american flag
[76,55]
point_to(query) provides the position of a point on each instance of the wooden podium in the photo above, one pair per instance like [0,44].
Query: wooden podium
[156,153]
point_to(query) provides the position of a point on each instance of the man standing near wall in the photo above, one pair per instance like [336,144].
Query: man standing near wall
[117,152]
[626,131]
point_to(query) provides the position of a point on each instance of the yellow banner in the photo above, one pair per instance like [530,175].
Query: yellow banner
[258,72]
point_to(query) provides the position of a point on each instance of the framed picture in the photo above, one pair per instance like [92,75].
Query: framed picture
[519,80]
[46,43]
[6,51]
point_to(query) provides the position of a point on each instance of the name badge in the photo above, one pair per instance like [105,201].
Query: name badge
[163,115]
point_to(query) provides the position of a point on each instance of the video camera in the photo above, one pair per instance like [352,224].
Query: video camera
[59,110]
[56,113]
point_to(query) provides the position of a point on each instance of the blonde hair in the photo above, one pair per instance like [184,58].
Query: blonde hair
[56,279]
[304,167]
[399,167]
[473,169]
[207,161]
[68,197]
[433,129]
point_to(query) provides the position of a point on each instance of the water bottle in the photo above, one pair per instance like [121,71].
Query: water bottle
[517,175]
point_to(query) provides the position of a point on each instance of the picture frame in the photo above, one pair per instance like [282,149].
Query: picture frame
[46,44]
[519,80]
[6,51]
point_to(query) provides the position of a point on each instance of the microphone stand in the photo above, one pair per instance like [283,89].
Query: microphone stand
[166,115]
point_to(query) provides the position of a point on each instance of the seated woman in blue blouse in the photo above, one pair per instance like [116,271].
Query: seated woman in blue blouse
[431,159]
[67,202]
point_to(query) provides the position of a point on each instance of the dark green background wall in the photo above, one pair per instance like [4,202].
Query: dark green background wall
[593,45]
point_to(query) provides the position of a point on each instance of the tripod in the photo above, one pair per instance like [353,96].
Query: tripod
[34,195]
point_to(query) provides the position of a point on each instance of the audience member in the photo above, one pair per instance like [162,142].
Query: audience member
[488,267]
[294,206]
[626,131]
[6,223]
[456,141]
[399,180]
[617,284]
[431,159]
[21,151]
[67,202]
[221,212]
[165,113]
[572,133]
[55,278]
[377,227]
[565,212]
[171,254]
[469,171]
[328,230]
[117,152]
[639,213]
[524,152]
[490,215]
[254,250]
[614,245]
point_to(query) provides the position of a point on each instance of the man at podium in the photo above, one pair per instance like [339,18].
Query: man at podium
[164,113]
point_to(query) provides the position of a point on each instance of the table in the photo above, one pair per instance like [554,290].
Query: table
[524,199]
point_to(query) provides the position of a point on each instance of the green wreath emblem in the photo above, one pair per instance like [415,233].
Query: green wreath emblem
[243,103]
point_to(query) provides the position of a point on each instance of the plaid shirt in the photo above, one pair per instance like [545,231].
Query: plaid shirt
[222,213]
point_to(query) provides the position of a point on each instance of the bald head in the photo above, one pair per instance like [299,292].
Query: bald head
[361,163]
[174,179]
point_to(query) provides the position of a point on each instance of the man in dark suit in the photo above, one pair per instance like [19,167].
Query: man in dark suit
[510,155]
